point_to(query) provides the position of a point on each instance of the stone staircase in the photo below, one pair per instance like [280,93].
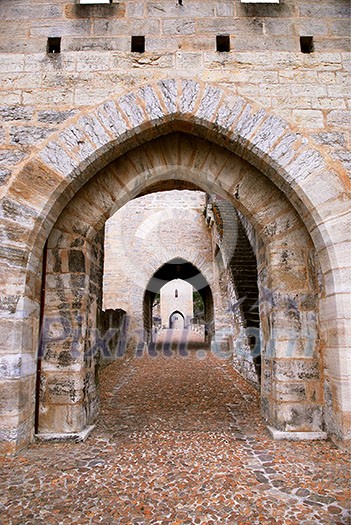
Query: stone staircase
[243,266]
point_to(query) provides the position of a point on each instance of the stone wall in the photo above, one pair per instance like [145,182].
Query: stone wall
[111,342]
[39,91]
[168,26]
[234,251]
[70,334]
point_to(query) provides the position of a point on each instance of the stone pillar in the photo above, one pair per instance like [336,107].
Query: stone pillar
[336,333]
[70,338]
[291,372]
[18,344]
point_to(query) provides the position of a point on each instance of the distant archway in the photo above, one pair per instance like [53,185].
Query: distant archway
[178,268]
[176,321]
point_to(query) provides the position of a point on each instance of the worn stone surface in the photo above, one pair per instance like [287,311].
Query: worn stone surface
[28,134]
[179,440]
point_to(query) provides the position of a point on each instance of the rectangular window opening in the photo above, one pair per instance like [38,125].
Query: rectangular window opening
[53,45]
[138,44]
[222,43]
[86,2]
[306,44]
[259,1]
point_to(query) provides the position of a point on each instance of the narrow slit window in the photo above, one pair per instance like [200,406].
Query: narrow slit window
[306,44]
[222,43]
[176,293]
[54,45]
[138,44]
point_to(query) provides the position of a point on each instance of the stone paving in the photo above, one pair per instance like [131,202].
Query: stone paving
[179,441]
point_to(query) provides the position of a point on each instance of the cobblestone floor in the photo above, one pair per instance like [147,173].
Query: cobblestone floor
[179,441]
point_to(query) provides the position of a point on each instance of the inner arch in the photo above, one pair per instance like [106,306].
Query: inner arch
[178,268]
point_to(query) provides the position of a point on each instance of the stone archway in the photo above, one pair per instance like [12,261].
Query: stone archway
[45,185]
[198,277]
[290,337]
[176,320]
[140,240]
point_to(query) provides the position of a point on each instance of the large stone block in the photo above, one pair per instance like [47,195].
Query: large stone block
[308,118]
[62,419]
[331,10]
[94,130]
[11,63]
[11,157]
[293,417]
[16,395]
[172,10]
[224,9]
[209,102]
[63,390]
[188,60]
[131,109]
[16,432]
[112,118]
[58,159]
[93,61]
[29,134]
[293,369]
[95,11]
[169,91]
[127,28]
[8,113]
[60,28]
[290,392]
[178,27]
[17,338]
[341,119]
[46,11]
[152,104]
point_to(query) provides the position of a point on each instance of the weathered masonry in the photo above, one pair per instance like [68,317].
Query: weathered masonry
[101,103]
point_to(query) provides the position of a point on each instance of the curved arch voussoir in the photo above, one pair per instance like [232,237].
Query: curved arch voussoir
[90,140]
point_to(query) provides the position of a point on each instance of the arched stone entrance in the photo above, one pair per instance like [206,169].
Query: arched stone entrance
[288,285]
[176,320]
[179,268]
[276,190]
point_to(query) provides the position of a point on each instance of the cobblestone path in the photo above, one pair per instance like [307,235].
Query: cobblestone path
[179,441]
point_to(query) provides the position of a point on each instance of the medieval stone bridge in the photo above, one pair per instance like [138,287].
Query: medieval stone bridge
[218,131]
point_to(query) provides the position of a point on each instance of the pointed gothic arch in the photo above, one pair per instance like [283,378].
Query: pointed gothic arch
[173,320]
[179,268]
[314,185]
